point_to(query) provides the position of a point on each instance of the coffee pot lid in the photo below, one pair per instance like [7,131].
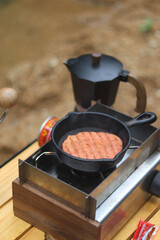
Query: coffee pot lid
[95,67]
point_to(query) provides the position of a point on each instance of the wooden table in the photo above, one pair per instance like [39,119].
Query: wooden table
[12,227]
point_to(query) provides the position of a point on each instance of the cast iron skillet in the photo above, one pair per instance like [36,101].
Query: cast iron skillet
[75,122]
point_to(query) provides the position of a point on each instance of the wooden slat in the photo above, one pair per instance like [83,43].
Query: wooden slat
[148,208]
[34,234]
[156,220]
[9,173]
[11,227]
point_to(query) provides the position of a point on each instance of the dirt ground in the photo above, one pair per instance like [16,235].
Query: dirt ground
[37,37]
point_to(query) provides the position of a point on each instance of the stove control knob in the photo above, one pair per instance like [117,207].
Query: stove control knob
[155,186]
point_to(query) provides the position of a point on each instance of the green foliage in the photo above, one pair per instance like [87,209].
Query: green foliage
[146,26]
[4,3]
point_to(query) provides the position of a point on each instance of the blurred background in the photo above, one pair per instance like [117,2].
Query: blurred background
[36,37]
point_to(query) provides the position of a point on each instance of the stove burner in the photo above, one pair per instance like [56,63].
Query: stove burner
[84,181]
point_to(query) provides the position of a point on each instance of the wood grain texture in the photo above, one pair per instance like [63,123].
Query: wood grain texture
[141,93]
[144,213]
[34,234]
[9,172]
[51,216]
[11,227]
[156,220]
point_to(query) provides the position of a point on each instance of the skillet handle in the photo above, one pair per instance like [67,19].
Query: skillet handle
[143,118]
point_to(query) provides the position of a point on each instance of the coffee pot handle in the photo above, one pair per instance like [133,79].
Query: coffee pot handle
[141,93]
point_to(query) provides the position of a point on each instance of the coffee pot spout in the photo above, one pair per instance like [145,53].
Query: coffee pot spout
[70,62]
[66,63]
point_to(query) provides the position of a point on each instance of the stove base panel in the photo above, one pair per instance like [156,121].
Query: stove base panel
[47,214]
[58,220]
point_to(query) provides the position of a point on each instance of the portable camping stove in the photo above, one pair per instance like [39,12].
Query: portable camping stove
[67,204]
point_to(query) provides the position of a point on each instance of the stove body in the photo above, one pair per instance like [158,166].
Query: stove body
[70,205]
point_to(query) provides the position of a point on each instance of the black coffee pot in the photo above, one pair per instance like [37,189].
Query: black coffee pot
[96,77]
